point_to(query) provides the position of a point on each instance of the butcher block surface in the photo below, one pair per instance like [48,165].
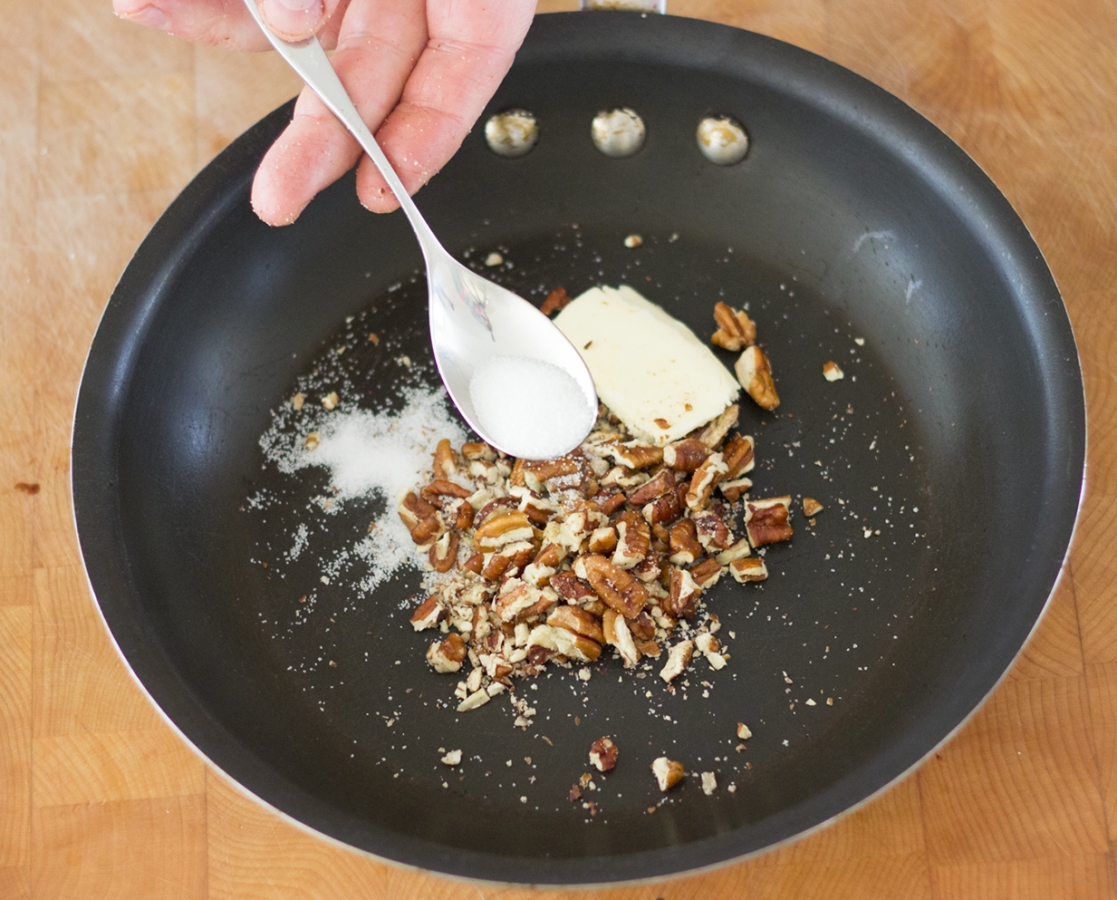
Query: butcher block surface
[102,123]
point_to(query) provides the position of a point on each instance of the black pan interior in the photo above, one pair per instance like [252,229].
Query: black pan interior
[956,440]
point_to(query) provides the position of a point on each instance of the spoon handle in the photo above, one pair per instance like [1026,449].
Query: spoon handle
[310,62]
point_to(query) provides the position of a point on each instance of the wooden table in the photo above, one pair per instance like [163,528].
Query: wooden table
[102,123]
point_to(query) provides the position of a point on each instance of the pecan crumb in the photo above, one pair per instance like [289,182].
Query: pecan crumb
[603,754]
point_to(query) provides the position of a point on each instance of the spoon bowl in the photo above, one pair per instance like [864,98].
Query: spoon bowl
[514,377]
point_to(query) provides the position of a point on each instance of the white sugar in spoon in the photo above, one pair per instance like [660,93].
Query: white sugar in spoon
[512,374]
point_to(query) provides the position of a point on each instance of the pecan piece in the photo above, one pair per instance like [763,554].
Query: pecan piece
[755,374]
[509,560]
[602,540]
[766,521]
[713,533]
[738,454]
[603,754]
[811,506]
[748,568]
[685,455]
[663,510]
[678,658]
[668,772]
[567,585]
[478,450]
[682,601]
[617,634]
[545,638]
[705,479]
[659,486]
[735,489]
[447,655]
[503,526]
[444,552]
[684,544]
[642,627]
[714,433]
[427,614]
[634,539]
[556,300]
[618,589]
[441,488]
[735,329]
[577,620]
[706,573]
[634,454]
[445,463]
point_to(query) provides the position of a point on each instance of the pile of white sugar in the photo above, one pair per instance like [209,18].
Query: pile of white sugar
[367,455]
[530,408]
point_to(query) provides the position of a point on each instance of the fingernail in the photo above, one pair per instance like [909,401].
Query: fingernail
[298,5]
[149,16]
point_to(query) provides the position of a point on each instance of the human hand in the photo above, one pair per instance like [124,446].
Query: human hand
[419,71]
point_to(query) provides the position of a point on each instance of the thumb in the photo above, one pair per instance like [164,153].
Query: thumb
[296,20]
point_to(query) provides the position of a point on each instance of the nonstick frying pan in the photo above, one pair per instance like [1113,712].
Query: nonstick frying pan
[949,460]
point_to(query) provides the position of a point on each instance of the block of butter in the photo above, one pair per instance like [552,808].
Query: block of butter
[649,368]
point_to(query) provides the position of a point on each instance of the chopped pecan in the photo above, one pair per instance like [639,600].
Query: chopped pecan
[413,509]
[602,540]
[440,488]
[661,485]
[668,772]
[506,502]
[811,506]
[474,564]
[444,552]
[562,641]
[734,551]
[682,601]
[642,627]
[509,560]
[766,521]
[556,300]
[428,614]
[748,568]
[738,454]
[714,433]
[447,655]
[755,374]
[684,544]
[706,573]
[610,501]
[713,533]
[663,510]
[678,658]
[503,526]
[550,555]
[475,450]
[577,620]
[603,754]
[461,514]
[685,455]
[567,585]
[615,628]
[735,489]
[735,329]
[648,569]
[831,371]
[618,589]
[634,540]
[634,454]
[705,479]
[445,463]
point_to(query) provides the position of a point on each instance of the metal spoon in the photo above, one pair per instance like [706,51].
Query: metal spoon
[473,322]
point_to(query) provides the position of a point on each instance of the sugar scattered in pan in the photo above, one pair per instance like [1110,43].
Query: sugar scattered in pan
[368,455]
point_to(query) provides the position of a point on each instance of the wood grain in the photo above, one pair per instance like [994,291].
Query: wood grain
[102,123]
